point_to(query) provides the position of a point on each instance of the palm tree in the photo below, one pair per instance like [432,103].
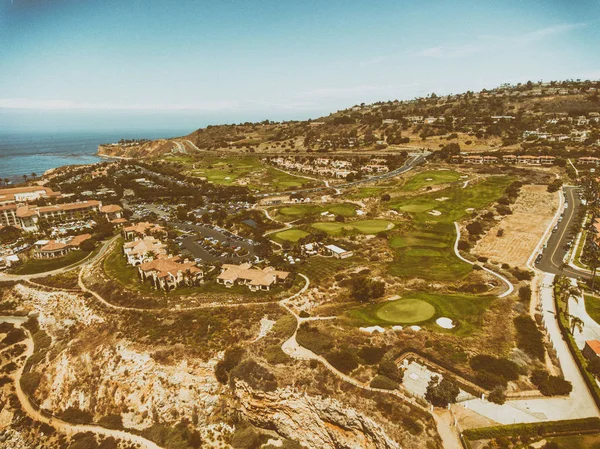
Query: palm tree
[6,181]
[576,322]
[25,178]
[33,175]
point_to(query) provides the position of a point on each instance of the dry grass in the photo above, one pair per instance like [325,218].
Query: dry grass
[523,229]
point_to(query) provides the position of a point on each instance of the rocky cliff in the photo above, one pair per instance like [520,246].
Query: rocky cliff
[312,421]
[146,149]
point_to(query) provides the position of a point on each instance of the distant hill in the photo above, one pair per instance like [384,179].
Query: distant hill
[477,121]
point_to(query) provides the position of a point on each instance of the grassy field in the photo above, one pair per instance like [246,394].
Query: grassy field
[230,170]
[33,266]
[577,441]
[291,235]
[475,196]
[592,307]
[318,268]
[296,211]
[425,249]
[362,227]
[430,178]
[417,307]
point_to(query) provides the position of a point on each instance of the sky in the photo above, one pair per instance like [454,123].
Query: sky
[149,64]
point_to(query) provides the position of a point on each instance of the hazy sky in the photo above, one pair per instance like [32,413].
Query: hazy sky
[176,64]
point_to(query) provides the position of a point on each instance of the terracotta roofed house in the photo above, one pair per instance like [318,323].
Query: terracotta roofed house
[112,211]
[144,250]
[141,229]
[591,350]
[50,249]
[255,278]
[168,273]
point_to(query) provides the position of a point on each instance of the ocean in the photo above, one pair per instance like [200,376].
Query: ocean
[24,153]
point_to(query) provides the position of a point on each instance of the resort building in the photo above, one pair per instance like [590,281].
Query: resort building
[144,250]
[26,194]
[30,216]
[112,212]
[168,273]
[51,249]
[591,350]
[255,278]
[142,229]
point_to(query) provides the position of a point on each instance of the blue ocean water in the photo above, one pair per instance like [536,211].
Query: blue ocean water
[26,152]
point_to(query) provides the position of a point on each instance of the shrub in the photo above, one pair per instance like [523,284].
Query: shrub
[76,416]
[525,293]
[390,370]
[275,355]
[343,360]
[535,429]
[385,383]
[111,422]
[371,354]
[312,339]
[413,426]
[30,381]
[493,371]
[255,375]
[529,337]
[245,438]
[475,228]
[497,396]
[284,327]
[441,393]
[363,288]
[13,337]
[230,360]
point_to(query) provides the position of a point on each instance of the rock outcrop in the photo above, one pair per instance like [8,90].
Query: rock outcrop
[312,421]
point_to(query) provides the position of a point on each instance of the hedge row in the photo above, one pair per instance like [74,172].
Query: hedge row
[535,429]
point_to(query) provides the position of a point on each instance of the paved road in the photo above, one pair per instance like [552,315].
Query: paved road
[554,254]
[412,162]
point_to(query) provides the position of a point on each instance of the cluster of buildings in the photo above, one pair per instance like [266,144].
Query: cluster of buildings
[506,159]
[330,168]
[317,248]
[578,136]
[15,209]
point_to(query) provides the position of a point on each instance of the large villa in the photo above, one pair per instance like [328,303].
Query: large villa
[255,278]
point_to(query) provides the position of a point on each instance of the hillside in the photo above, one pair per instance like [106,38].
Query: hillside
[561,115]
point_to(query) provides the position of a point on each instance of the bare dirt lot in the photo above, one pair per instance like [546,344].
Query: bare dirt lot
[532,213]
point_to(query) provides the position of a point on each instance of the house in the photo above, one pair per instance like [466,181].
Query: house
[144,250]
[255,278]
[339,253]
[528,160]
[472,160]
[547,160]
[591,350]
[51,249]
[167,273]
[509,159]
[589,160]
[490,160]
[141,230]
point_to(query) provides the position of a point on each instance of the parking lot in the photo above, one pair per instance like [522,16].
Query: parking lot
[213,244]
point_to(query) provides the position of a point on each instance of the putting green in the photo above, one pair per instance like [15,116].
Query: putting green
[291,235]
[406,311]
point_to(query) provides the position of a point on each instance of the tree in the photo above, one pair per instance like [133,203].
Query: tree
[386,197]
[497,396]
[576,322]
[525,293]
[364,289]
[441,393]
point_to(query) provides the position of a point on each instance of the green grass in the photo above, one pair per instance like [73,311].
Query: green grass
[291,235]
[465,310]
[406,311]
[425,249]
[577,441]
[319,268]
[227,171]
[431,178]
[288,213]
[362,227]
[476,196]
[33,266]
[592,307]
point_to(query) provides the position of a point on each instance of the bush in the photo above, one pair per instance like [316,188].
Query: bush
[245,438]
[230,360]
[284,327]
[255,375]
[75,416]
[30,381]
[525,294]
[343,360]
[529,337]
[495,365]
[371,354]
[535,429]
[475,228]
[497,396]
[442,393]
[385,383]
[111,422]
[275,355]
[363,288]
[413,426]
[312,339]
[13,337]
[390,370]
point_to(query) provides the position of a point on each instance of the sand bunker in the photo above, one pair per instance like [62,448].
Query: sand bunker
[372,329]
[397,328]
[415,328]
[470,209]
[444,198]
[445,323]
[428,179]
[435,213]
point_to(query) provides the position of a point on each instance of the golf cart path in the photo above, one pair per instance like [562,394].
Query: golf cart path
[509,286]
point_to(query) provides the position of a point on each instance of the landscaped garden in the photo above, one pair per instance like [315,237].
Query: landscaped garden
[33,266]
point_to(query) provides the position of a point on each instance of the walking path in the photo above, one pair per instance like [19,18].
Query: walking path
[509,286]
[57,423]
